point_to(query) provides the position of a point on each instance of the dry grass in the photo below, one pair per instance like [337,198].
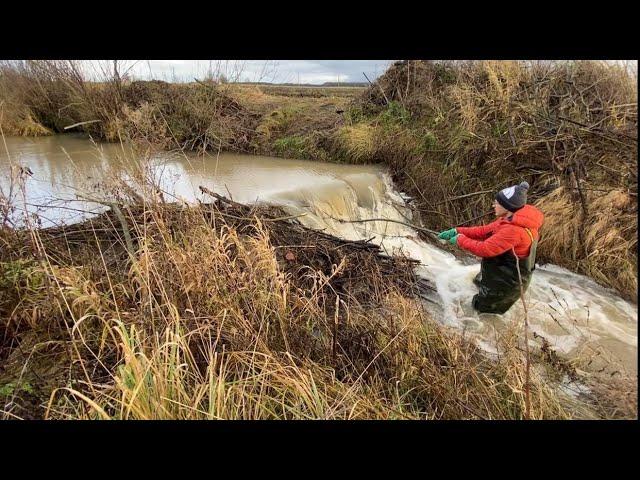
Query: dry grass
[358,142]
[275,124]
[54,94]
[207,316]
[446,129]
[310,91]
[601,244]
[21,124]
[41,96]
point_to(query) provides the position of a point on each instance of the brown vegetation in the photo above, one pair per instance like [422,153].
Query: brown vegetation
[223,311]
[449,131]
[453,130]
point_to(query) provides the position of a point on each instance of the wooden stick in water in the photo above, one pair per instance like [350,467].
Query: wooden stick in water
[426,230]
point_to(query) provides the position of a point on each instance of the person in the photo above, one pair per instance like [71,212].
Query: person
[509,241]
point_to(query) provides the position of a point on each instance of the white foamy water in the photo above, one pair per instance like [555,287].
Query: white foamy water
[576,316]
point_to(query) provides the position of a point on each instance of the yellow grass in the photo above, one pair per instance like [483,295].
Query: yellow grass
[359,142]
[602,244]
[204,323]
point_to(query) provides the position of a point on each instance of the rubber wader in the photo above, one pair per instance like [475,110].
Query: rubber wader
[498,280]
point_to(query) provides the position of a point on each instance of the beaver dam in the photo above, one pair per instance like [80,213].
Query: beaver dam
[236,286]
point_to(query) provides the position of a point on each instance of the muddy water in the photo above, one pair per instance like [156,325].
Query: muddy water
[573,313]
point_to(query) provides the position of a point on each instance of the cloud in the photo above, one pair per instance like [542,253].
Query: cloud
[276,71]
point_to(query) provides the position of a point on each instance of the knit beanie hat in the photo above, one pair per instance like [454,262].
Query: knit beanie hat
[513,198]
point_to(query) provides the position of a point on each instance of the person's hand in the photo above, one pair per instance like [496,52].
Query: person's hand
[454,240]
[447,234]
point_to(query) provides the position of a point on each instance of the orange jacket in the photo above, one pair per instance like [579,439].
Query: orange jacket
[497,237]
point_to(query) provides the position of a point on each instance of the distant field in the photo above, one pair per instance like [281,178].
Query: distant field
[309,90]
[306,101]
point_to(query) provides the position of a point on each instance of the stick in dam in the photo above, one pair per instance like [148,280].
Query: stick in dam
[426,230]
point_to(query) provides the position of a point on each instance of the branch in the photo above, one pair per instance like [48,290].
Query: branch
[591,128]
[379,86]
[220,197]
[426,230]
[464,196]
[81,123]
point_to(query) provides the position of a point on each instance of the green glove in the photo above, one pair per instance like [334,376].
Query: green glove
[454,240]
[447,234]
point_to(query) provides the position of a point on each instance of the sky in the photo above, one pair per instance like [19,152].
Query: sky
[273,71]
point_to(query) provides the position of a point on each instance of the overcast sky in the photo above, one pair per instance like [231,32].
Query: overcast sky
[272,71]
[276,71]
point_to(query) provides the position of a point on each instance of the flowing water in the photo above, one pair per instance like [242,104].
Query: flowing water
[576,316]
